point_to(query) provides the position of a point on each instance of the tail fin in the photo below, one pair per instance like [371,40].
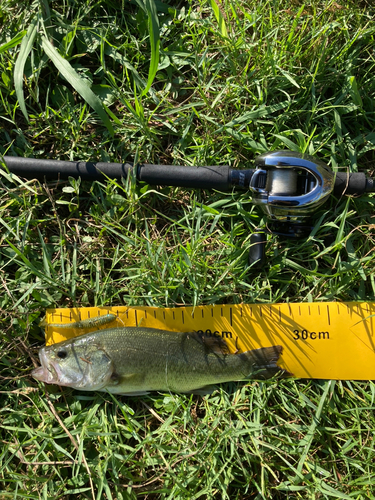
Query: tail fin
[263,362]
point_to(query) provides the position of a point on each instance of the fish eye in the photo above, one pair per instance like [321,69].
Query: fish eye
[62,354]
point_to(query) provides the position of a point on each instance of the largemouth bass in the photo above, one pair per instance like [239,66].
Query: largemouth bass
[136,360]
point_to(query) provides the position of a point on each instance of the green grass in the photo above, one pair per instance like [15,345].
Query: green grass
[180,83]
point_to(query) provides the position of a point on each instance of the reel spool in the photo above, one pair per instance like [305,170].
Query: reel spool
[282,182]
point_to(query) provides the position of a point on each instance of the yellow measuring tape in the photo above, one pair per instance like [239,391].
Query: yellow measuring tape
[328,340]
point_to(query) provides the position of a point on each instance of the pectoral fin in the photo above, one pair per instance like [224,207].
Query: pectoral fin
[130,378]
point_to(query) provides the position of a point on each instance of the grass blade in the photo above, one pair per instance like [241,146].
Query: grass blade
[78,83]
[149,7]
[13,42]
[30,266]
[354,91]
[153,23]
[308,439]
[25,49]
[219,18]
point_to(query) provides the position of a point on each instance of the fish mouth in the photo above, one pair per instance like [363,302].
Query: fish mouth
[48,372]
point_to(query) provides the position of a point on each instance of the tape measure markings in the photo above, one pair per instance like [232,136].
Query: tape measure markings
[331,340]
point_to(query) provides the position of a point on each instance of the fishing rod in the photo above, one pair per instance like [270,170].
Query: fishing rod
[287,186]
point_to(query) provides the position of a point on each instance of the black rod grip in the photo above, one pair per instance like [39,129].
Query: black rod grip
[352,183]
[257,251]
[32,168]
[205,177]
[216,177]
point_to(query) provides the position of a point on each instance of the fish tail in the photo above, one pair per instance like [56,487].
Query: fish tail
[262,363]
